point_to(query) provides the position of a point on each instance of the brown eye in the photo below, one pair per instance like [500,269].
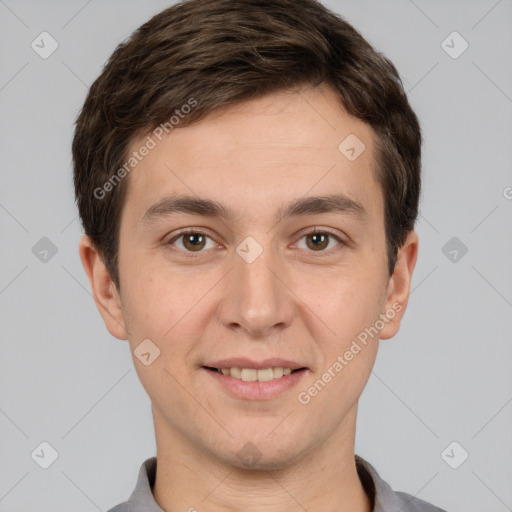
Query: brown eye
[320,241]
[191,241]
[317,241]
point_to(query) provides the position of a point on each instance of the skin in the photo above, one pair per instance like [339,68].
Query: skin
[295,301]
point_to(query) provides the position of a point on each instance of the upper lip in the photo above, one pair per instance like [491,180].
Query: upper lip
[244,362]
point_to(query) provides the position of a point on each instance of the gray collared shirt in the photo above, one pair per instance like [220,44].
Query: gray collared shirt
[383,497]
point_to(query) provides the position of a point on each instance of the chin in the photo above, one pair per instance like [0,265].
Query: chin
[263,452]
[251,458]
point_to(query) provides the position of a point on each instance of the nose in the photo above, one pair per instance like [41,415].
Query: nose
[257,300]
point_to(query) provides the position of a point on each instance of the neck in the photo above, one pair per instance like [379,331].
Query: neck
[188,478]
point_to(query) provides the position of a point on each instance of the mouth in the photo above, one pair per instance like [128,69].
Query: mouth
[255,374]
[250,379]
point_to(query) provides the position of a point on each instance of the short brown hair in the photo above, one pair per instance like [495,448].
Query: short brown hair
[221,52]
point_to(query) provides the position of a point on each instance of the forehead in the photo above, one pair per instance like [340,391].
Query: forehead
[261,153]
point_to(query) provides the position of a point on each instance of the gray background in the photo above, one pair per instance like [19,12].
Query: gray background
[446,376]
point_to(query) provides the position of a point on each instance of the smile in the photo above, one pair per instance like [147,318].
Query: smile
[253,374]
[255,383]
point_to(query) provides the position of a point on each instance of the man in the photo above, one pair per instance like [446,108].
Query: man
[248,174]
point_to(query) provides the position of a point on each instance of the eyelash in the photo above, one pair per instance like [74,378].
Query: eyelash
[196,254]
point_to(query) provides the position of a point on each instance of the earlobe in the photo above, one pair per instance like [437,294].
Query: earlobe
[400,285]
[103,289]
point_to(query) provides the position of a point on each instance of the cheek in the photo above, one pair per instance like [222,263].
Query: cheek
[349,302]
[171,309]
[329,395]
[148,293]
[350,308]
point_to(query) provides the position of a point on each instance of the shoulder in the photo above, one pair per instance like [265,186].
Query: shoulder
[408,503]
[385,499]
[122,507]
[141,499]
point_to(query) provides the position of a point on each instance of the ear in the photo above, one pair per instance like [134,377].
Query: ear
[399,286]
[106,296]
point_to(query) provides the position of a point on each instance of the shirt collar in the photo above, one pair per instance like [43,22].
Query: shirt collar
[142,497]
[380,493]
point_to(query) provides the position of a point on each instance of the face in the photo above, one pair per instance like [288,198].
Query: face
[283,268]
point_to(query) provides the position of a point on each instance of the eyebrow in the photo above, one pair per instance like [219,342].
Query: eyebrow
[332,203]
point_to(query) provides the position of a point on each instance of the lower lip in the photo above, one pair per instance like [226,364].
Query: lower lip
[256,390]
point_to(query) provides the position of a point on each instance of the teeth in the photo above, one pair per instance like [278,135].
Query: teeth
[252,375]
[266,374]
[249,374]
[236,373]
